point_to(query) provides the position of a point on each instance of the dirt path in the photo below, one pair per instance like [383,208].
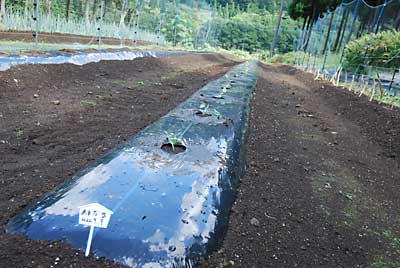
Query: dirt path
[322,187]
[55,119]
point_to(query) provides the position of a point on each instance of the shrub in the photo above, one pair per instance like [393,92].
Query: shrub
[288,58]
[381,50]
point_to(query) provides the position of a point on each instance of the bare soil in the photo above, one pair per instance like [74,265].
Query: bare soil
[59,38]
[57,119]
[322,184]
[323,180]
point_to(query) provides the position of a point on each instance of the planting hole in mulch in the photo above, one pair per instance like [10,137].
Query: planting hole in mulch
[219,97]
[202,114]
[176,149]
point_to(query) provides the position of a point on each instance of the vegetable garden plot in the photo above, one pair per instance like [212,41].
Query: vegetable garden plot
[82,57]
[168,208]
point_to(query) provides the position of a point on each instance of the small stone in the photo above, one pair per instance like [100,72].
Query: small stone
[36,96]
[56,102]
[277,159]
[255,222]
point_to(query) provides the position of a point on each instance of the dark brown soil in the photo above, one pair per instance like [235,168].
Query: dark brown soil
[59,38]
[322,185]
[56,119]
[323,182]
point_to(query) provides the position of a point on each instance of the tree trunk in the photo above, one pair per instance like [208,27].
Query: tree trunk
[77,4]
[26,8]
[310,23]
[67,3]
[278,25]
[370,20]
[3,13]
[360,30]
[301,38]
[396,21]
[344,30]
[339,32]
[104,8]
[353,23]
[87,12]
[328,33]
[47,7]
[123,13]
[94,10]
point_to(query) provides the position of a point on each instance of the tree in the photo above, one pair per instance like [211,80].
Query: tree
[123,13]
[47,7]
[341,31]
[95,10]
[87,12]
[278,24]
[67,4]
[310,11]
[396,21]
[328,33]
[3,14]
[26,8]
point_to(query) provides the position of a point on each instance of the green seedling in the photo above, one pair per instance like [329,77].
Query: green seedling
[217,113]
[174,139]
[204,108]
[140,83]
[228,86]
[19,133]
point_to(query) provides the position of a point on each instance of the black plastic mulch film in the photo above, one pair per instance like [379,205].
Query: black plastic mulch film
[168,209]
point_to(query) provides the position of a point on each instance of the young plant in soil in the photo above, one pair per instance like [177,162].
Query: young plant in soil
[217,113]
[203,110]
[174,142]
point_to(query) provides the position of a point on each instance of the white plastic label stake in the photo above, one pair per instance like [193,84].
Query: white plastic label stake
[93,215]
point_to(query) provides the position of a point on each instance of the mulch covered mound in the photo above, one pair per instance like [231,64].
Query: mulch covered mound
[57,119]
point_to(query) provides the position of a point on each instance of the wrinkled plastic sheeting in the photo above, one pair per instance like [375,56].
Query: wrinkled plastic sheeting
[81,58]
[169,210]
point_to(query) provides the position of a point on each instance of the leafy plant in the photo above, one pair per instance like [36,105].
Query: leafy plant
[19,133]
[204,108]
[174,139]
[382,49]
[217,113]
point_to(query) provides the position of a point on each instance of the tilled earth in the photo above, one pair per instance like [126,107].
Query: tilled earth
[57,119]
[323,180]
[322,184]
[62,38]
